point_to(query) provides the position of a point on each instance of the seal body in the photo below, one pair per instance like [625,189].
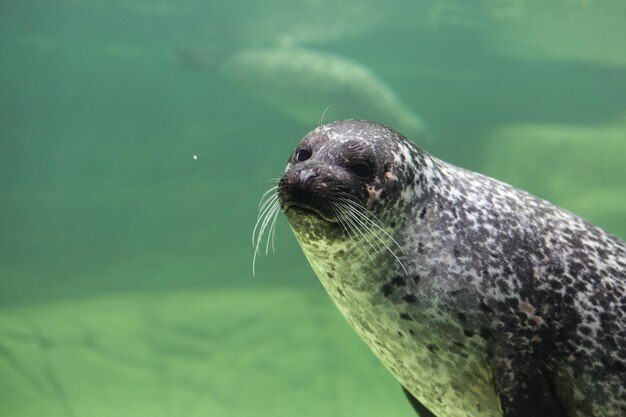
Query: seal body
[481,299]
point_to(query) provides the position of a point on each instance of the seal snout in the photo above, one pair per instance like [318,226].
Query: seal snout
[304,189]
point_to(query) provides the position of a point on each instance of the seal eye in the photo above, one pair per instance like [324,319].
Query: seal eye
[302,155]
[361,170]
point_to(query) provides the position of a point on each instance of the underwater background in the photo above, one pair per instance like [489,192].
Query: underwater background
[137,137]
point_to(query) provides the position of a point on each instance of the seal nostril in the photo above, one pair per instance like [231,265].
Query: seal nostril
[306,178]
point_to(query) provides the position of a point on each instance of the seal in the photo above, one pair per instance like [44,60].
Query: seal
[302,82]
[481,299]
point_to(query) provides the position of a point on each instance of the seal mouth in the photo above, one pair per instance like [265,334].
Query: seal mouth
[307,194]
[302,210]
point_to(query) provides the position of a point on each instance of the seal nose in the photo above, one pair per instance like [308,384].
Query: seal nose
[306,178]
[301,187]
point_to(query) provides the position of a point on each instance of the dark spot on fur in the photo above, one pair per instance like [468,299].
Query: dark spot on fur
[484,307]
[556,285]
[609,341]
[468,333]
[405,316]
[587,343]
[462,316]
[432,348]
[409,176]
[417,279]
[503,285]
[387,290]
[423,213]
[409,298]
[580,286]
[617,366]
[486,333]
[398,281]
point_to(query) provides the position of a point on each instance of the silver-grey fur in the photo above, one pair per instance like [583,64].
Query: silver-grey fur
[494,303]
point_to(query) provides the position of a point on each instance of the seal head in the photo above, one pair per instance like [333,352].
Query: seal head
[341,169]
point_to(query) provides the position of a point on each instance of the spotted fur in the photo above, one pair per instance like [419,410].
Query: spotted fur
[509,306]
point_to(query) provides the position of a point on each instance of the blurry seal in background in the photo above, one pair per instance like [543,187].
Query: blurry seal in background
[481,299]
[301,83]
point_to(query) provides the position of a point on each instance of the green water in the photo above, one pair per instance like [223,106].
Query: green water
[130,182]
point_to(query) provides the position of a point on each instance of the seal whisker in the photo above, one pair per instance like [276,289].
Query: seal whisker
[342,219]
[321,122]
[272,210]
[268,216]
[269,190]
[379,241]
[366,221]
[364,228]
[351,228]
[260,225]
[266,205]
[269,208]
[354,232]
[369,217]
[272,233]
[377,237]
[268,195]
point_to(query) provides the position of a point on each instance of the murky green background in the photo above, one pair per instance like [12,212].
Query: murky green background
[136,138]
